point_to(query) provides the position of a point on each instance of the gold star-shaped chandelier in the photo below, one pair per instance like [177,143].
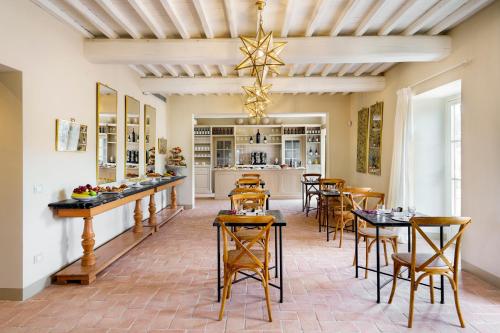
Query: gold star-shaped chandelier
[261,57]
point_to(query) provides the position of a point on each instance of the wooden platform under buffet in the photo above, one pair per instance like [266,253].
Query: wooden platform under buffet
[92,262]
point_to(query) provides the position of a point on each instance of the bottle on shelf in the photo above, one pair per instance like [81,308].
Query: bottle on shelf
[257,137]
[310,151]
[251,139]
[133,135]
[265,139]
[316,152]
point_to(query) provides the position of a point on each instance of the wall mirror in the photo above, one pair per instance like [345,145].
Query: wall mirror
[107,104]
[132,138]
[150,137]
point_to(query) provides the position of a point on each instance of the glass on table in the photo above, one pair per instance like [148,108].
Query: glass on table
[412,211]
[380,208]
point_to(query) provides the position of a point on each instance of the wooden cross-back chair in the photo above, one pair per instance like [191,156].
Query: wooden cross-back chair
[248,182]
[311,191]
[431,264]
[249,198]
[239,190]
[371,200]
[350,198]
[328,184]
[250,175]
[244,257]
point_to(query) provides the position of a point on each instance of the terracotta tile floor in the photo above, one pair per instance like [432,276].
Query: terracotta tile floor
[167,284]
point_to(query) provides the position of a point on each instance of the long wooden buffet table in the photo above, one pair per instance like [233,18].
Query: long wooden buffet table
[93,261]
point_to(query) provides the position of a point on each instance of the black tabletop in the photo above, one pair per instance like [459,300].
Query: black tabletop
[309,182]
[106,198]
[266,192]
[280,220]
[381,220]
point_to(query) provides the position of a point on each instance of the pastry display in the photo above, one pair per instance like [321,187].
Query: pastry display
[112,189]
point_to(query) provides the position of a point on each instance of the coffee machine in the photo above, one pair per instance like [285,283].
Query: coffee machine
[259,158]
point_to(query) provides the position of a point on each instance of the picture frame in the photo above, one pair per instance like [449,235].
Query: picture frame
[375,139]
[162,146]
[362,141]
[70,136]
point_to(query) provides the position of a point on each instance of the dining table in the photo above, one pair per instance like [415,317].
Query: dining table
[278,225]
[378,221]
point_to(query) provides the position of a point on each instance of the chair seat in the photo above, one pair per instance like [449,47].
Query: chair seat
[245,260]
[405,259]
[370,232]
[248,234]
[312,192]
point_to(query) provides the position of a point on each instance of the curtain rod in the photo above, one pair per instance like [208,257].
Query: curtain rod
[464,62]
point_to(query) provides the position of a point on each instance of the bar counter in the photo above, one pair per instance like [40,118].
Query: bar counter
[282,183]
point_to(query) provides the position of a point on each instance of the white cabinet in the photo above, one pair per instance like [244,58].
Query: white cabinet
[202,180]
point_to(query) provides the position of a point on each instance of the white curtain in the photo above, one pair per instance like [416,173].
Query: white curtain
[401,187]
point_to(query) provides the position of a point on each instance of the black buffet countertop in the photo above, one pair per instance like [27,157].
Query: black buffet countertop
[106,198]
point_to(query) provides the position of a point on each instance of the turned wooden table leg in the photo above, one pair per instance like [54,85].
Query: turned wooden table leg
[88,242]
[138,216]
[173,198]
[152,212]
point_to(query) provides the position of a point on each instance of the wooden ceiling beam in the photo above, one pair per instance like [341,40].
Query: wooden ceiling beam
[205,70]
[171,70]
[299,50]
[370,16]
[137,70]
[222,70]
[442,8]
[202,14]
[231,18]
[174,17]
[213,85]
[319,11]
[153,70]
[382,68]
[148,18]
[362,69]
[396,18]
[63,16]
[339,24]
[187,70]
[290,4]
[113,11]
[310,69]
[470,8]
[96,21]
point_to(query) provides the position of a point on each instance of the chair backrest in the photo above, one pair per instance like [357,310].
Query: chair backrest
[248,182]
[239,190]
[249,200]
[264,222]
[311,176]
[373,199]
[354,197]
[418,222]
[331,184]
[250,175]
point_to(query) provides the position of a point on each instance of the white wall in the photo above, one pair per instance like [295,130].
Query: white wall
[11,178]
[431,160]
[59,83]
[477,40]
[181,110]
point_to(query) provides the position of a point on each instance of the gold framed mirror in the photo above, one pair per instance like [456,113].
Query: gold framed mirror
[150,138]
[107,105]
[132,137]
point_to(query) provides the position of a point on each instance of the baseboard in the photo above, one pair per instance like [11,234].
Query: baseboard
[21,294]
[11,294]
[481,273]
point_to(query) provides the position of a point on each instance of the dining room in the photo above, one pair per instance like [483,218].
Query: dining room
[249,165]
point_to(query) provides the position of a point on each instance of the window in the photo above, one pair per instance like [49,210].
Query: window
[454,107]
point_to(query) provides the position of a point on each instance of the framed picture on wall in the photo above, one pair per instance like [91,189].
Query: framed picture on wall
[162,146]
[362,141]
[375,139]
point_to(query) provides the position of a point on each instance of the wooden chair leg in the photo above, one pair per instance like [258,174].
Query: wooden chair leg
[341,231]
[268,299]
[230,284]
[308,202]
[317,207]
[454,286]
[412,299]
[227,280]
[385,252]
[395,274]
[431,288]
